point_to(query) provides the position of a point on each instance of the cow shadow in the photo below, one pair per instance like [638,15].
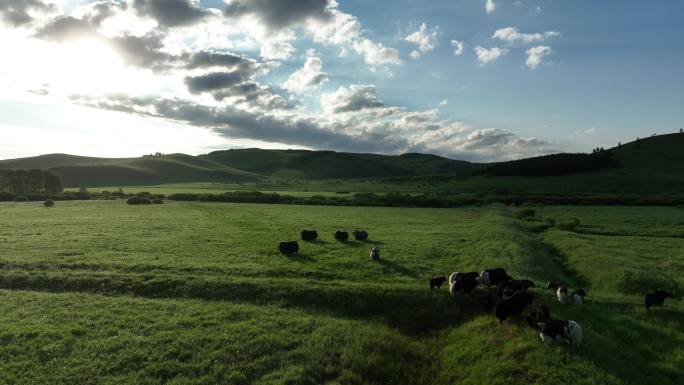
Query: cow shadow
[371,242]
[317,242]
[300,257]
[397,268]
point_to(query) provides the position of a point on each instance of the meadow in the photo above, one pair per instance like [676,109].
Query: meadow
[99,292]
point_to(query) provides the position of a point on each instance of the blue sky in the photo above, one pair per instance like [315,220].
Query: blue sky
[367,76]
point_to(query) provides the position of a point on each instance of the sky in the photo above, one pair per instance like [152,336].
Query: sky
[479,80]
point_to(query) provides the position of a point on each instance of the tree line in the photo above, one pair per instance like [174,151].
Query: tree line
[30,181]
[556,164]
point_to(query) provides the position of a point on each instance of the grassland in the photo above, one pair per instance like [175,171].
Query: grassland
[196,293]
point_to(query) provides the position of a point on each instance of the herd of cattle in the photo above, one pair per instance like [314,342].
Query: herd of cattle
[513,298]
[512,294]
[292,247]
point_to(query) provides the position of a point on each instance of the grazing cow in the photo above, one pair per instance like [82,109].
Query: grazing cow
[657,298]
[561,292]
[360,235]
[286,248]
[375,253]
[491,277]
[578,296]
[341,236]
[453,277]
[472,274]
[309,235]
[463,285]
[514,285]
[437,282]
[513,306]
[556,330]
[540,313]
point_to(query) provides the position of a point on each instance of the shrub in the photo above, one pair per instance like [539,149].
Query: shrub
[568,224]
[6,197]
[551,221]
[157,201]
[643,281]
[138,201]
[49,203]
[524,213]
[20,198]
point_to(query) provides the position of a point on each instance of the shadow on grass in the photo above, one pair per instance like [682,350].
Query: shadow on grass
[397,268]
[300,257]
[621,340]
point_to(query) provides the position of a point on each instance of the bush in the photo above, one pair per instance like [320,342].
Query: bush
[49,203]
[6,197]
[157,201]
[524,213]
[551,221]
[20,198]
[138,201]
[643,281]
[568,224]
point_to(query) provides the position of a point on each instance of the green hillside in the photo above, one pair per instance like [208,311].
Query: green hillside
[654,164]
[231,166]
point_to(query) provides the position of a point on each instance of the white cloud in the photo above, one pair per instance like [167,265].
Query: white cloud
[512,35]
[376,54]
[424,39]
[277,50]
[536,54]
[444,102]
[486,55]
[490,6]
[458,47]
[307,77]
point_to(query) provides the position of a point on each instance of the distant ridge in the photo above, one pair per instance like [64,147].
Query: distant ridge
[652,163]
[235,166]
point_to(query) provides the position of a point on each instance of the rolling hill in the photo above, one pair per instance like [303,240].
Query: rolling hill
[653,164]
[234,166]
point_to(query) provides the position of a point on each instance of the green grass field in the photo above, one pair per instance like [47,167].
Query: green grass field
[99,292]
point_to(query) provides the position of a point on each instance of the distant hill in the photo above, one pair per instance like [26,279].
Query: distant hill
[231,166]
[650,164]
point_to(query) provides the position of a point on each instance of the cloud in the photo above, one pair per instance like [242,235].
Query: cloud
[277,15]
[21,12]
[65,28]
[208,59]
[486,55]
[277,50]
[458,47]
[444,102]
[172,13]
[144,51]
[536,54]
[376,54]
[307,77]
[490,6]
[512,35]
[424,39]
[353,98]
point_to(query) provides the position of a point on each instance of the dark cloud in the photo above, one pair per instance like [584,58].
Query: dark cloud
[213,81]
[171,13]
[280,14]
[206,59]
[145,51]
[354,98]
[66,28]
[18,12]
[236,123]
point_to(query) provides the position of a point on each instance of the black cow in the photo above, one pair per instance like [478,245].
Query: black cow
[578,296]
[560,330]
[491,277]
[514,285]
[540,313]
[437,282]
[472,274]
[286,248]
[513,306]
[309,235]
[360,235]
[341,235]
[657,298]
[463,285]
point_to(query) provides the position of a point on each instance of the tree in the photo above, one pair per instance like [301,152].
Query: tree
[52,182]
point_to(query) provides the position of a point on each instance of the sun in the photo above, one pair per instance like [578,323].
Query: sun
[88,66]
